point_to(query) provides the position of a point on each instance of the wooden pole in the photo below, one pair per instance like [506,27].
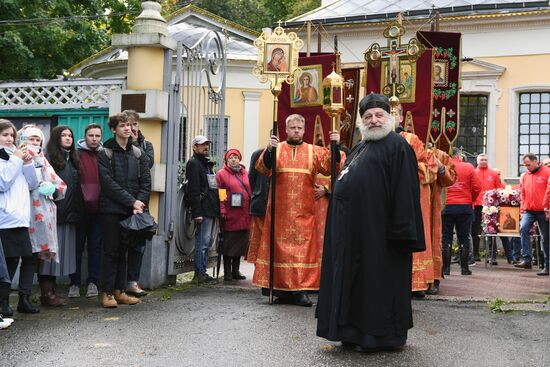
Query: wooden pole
[319,39]
[276,91]
[309,38]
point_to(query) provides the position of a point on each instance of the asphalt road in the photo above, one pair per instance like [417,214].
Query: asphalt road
[220,326]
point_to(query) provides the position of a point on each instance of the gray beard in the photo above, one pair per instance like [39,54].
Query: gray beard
[375,134]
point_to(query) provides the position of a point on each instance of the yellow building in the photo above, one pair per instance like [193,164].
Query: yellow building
[505,95]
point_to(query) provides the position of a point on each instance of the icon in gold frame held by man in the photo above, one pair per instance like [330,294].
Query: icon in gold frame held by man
[277,58]
[306,89]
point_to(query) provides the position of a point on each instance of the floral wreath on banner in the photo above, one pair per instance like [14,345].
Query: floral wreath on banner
[492,201]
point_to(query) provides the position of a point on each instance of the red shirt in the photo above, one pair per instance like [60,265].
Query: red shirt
[466,187]
[535,190]
[489,181]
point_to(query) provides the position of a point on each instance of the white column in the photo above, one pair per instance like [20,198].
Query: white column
[251,124]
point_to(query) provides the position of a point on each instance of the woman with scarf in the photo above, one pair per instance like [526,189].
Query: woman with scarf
[42,230]
[62,155]
[235,213]
[17,177]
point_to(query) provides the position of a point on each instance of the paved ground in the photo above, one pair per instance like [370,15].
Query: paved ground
[224,326]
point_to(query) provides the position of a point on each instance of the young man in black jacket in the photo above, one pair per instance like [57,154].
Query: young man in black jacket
[204,201]
[136,249]
[125,187]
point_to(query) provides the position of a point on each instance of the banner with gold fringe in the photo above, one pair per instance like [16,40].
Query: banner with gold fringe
[416,99]
[305,97]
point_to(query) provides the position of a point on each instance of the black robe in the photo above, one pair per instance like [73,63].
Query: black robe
[374,225]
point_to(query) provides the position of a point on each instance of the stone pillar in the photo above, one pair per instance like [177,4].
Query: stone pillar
[251,124]
[148,46]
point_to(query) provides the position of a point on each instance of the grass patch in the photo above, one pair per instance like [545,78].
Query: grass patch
[496,305]
[166,294]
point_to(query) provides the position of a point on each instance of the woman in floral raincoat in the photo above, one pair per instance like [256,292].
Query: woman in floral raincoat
[43,225]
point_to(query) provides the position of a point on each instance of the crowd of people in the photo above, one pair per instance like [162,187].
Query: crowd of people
[58,197]
[387,235]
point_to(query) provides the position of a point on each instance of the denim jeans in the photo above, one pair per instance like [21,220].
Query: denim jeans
[202,244]
[516,248]
[529,217]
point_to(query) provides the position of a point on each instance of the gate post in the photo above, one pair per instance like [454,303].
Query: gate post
[149,49]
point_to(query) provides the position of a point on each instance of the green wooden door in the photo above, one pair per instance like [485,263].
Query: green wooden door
[78,123]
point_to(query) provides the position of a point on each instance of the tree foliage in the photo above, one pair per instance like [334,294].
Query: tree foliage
[39,39]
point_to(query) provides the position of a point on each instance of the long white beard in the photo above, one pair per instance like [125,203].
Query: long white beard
[376,133]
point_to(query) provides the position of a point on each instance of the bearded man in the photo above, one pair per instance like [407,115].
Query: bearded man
[374,225]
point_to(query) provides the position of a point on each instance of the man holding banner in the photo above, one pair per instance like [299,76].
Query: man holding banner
[297,253]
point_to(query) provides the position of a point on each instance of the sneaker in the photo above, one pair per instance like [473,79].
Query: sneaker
[471,262]
[92,291]
[74,291]
[134,289]
[4,324]
[5,321]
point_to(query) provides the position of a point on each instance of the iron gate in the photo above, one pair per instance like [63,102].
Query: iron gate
[197,101]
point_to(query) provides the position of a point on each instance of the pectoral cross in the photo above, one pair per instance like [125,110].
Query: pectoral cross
[343,173]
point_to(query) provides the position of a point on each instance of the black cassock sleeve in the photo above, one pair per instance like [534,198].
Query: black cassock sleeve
[406,228]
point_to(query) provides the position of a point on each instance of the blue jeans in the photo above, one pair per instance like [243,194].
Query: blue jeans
[88,232]
[203,236]
[529,217]
[516,248]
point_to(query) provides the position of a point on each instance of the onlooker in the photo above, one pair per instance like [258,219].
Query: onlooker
[260,189]
[62,155]
[17,177]
[125,187]
[458,212]
[88,230]
[489,181]
[534,185]
[204,201]
[137,248]
[43,225]
[546,162]
[235,213]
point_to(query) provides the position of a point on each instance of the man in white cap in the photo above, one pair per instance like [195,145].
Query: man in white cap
[202,197]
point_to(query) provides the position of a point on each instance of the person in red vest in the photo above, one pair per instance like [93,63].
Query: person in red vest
[535,197]
[458,212]
[489,180]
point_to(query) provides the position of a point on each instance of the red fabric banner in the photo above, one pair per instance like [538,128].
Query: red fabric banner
[445,122]
[305,97]
[352,80]
[417,97]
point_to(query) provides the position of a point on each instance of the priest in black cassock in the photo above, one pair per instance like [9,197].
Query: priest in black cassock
[374,225]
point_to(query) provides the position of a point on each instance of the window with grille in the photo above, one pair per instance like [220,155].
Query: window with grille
[472,135]
[534,125]
[212,125]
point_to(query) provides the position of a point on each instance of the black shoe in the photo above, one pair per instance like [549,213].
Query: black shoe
[303,300]
[418,294]
[227,278]
[543,273]
[434,289]
[238,276]
[5,308]
[466,272]
[455,259]
[477,258]
[25,306]
[492,262]
[524,265]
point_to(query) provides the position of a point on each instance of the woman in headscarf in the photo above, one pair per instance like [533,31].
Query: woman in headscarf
[235,213]
[43,230]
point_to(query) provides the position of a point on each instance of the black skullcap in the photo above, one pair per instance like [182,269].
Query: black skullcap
[374,100]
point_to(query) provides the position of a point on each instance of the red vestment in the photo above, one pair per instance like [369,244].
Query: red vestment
[444,180]
[297,251]
[423,269]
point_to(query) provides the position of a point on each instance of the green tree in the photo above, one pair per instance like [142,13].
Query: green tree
[40,38]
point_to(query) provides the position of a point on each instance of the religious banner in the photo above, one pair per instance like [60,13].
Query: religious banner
[445,121]
[305,97]
[352,79]
[416,96]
